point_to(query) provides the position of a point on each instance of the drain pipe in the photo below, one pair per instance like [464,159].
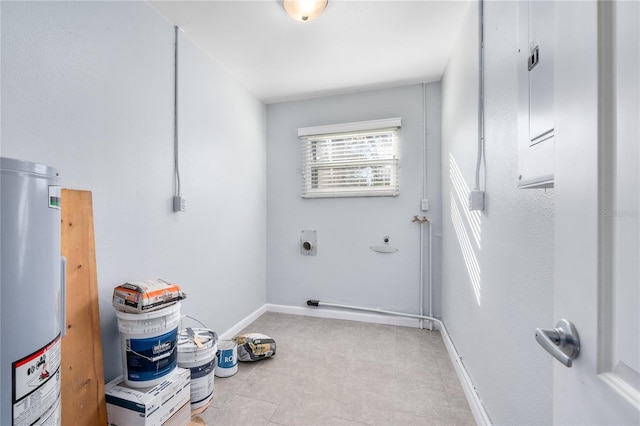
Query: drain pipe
[429,248]
[421,273]
[422,221]
[313,302]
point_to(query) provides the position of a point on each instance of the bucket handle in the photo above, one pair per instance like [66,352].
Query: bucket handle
[192,318]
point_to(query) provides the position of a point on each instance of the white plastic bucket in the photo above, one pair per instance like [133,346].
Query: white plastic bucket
[200,361]
[148,345]
[227,364]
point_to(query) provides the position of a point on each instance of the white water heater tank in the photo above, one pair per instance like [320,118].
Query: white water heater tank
[32,294]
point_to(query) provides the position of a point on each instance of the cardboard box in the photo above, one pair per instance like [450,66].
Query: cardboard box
[144,296]
[181,418]
[150,406]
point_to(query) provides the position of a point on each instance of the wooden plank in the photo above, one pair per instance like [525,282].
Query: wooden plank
[83,398]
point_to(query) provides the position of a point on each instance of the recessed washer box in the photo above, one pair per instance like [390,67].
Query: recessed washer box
[150,406]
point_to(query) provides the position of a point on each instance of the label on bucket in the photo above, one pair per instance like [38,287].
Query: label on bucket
[202,370]
[202,382]
[153,357]
[227,358]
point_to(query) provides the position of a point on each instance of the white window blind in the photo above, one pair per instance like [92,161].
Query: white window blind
[351,159]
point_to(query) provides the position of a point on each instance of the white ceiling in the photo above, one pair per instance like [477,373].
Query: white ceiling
[354,45]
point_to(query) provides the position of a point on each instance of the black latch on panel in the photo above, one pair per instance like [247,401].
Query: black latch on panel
[534,58]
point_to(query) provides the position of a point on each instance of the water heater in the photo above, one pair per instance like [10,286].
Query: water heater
[32,294]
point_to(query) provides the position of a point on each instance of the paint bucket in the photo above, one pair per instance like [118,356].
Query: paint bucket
[200,360]
[227,364]
[148,345]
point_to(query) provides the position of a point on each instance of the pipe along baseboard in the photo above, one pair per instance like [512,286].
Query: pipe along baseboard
[314,302]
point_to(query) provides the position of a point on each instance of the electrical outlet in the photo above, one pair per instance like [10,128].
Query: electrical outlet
[179,203]
[476,200]
[424,204]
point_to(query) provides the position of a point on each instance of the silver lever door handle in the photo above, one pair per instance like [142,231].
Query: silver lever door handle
[561,342]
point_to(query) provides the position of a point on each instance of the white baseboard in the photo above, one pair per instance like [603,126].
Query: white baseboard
[243,323]
[325,312]
[479,413]
[477,409]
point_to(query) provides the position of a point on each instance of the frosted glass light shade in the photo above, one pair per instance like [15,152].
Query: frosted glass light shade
[304,10]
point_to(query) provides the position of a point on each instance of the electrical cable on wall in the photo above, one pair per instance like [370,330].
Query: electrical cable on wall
[424,141]
[178,199]
[175,112]
[480,157]
[477,195]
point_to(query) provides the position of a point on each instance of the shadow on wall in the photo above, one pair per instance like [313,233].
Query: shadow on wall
[471,221]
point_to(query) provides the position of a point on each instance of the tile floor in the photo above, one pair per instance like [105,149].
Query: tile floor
[334,372]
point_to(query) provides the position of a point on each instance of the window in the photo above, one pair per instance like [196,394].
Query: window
[351,160]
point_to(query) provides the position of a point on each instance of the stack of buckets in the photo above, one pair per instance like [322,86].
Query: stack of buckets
[152,347]
[197,349]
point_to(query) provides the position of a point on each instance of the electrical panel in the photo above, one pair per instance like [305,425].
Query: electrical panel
[535,94]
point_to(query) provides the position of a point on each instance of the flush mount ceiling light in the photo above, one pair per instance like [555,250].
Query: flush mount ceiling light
[304,10]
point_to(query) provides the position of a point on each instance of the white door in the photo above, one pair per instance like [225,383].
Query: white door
[597,214]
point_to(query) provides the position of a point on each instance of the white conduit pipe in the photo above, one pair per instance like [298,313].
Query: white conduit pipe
[422,221]
[424,141]
[424,197]
[176,162]
[430,274]
[318,303]
[480,157]
[421,274]
[430,264]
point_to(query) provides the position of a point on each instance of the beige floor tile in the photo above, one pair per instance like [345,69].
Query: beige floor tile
[457,400]
[337,421]
[303,409]
[239,380]
[322,363]
[364,406]
[334,372]
[423,401]
[397,418]
[240,410]
[463,416]
[271,387]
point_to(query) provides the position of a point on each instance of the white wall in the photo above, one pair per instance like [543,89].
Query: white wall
[345,270]
[494,330]
[87,87]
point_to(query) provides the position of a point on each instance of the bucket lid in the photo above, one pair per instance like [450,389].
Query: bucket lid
[227,344]
[208,339]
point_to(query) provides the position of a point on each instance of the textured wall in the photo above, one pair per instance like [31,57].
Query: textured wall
[87,87]
[345,269]
[498,265]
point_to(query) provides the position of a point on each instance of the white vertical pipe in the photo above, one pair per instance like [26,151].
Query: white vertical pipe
[424,195]
[176,164]
[430,274]
[424,141]
[421,274]
[480,155]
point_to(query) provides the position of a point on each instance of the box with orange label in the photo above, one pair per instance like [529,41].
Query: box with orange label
[145,296]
